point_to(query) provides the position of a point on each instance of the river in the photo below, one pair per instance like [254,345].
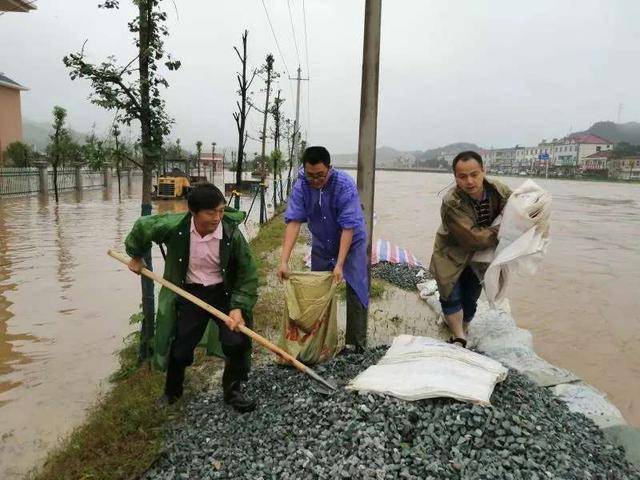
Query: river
[65,305]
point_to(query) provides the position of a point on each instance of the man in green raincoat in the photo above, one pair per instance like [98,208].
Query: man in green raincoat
[207,256]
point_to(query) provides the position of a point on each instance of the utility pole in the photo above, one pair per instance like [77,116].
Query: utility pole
[296,124]
[369,118]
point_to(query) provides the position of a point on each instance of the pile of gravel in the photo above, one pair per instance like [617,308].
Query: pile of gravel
[401,275]
[297,433]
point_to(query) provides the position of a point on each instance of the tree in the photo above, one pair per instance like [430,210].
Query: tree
[277,167]
[60,141]
[135,93]
[268,68]
[94,152]
[198,154]
[117,155]
[244,107]
[19,154]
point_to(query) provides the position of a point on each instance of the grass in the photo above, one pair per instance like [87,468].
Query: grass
[378,289]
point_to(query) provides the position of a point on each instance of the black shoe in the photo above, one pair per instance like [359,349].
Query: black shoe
[166,400]
[234,396]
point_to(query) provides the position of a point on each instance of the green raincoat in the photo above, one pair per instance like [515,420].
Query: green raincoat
[239,273]
[458,237]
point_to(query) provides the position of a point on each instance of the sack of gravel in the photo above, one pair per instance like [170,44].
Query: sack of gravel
[415,368]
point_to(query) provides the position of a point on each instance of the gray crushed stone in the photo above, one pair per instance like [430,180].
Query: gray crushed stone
[297,433]
[401,275]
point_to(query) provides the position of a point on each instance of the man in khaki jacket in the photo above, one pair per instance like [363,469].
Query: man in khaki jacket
[467,212]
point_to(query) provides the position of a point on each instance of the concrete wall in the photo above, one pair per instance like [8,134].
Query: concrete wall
[10,118]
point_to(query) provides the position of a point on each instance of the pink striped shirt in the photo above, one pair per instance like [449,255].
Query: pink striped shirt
[204,257]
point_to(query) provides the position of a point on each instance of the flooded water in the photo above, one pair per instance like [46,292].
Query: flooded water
[65,305]
[64,310]
[583,305]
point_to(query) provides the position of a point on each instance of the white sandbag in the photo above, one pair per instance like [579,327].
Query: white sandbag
[523,239]
[494,332]
[583,398]
[426,289]
[416,368]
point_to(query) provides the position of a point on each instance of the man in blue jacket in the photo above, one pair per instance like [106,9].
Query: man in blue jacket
[327,199]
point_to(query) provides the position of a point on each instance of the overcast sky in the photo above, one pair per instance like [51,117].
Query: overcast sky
[493,72]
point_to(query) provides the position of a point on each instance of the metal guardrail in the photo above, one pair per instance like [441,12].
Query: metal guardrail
[26,181]
[19,181]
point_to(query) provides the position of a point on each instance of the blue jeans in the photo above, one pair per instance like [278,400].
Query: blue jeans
[464,296]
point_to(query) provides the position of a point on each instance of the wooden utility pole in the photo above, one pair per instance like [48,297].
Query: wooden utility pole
[369,118]
[296,124]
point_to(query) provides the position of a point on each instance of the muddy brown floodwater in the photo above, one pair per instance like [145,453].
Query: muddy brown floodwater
[583,305]
[65,305]
[64,311]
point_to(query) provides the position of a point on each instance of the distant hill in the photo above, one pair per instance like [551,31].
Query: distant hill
[385,157]
[617,132]
[391,158]
[37,134]
[451,149]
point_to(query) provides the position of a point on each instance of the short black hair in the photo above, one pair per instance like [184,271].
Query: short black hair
[316,155]
[467,155]
[205,196]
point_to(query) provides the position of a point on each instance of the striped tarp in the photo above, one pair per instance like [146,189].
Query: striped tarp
[384,251]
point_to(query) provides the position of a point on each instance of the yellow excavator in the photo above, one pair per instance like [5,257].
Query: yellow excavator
[174,184]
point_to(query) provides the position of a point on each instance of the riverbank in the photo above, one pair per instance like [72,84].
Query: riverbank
[122,434]
[494,174]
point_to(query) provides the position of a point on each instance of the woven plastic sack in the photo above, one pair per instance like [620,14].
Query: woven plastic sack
[415,368]
[523,240]
[309,327]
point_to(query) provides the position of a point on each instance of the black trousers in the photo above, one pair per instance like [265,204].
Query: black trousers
[191,324]
[356,331]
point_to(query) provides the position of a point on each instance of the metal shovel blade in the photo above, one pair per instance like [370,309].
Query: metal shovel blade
[323,386]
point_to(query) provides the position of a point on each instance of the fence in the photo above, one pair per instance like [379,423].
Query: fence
[30,180]
[19,181]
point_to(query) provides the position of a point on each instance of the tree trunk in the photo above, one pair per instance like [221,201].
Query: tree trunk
[242,118]
[148,157]
[55,180]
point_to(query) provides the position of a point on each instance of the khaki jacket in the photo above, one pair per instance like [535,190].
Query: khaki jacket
[458,237]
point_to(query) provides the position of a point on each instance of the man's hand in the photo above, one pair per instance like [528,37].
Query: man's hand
[283,272]
[136,264]
[337,274]
[236,319]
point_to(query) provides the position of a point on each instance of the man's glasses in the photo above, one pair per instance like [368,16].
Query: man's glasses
[316,176]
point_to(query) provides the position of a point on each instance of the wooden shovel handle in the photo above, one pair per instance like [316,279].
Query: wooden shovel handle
[213,311]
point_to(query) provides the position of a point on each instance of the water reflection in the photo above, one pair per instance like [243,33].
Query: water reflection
[10,357]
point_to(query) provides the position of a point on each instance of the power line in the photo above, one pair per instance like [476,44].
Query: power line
[295,41]
[306,48]
[306,41]
[278,47]
[275,38]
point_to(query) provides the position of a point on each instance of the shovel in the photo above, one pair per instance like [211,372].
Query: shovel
[328,386]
